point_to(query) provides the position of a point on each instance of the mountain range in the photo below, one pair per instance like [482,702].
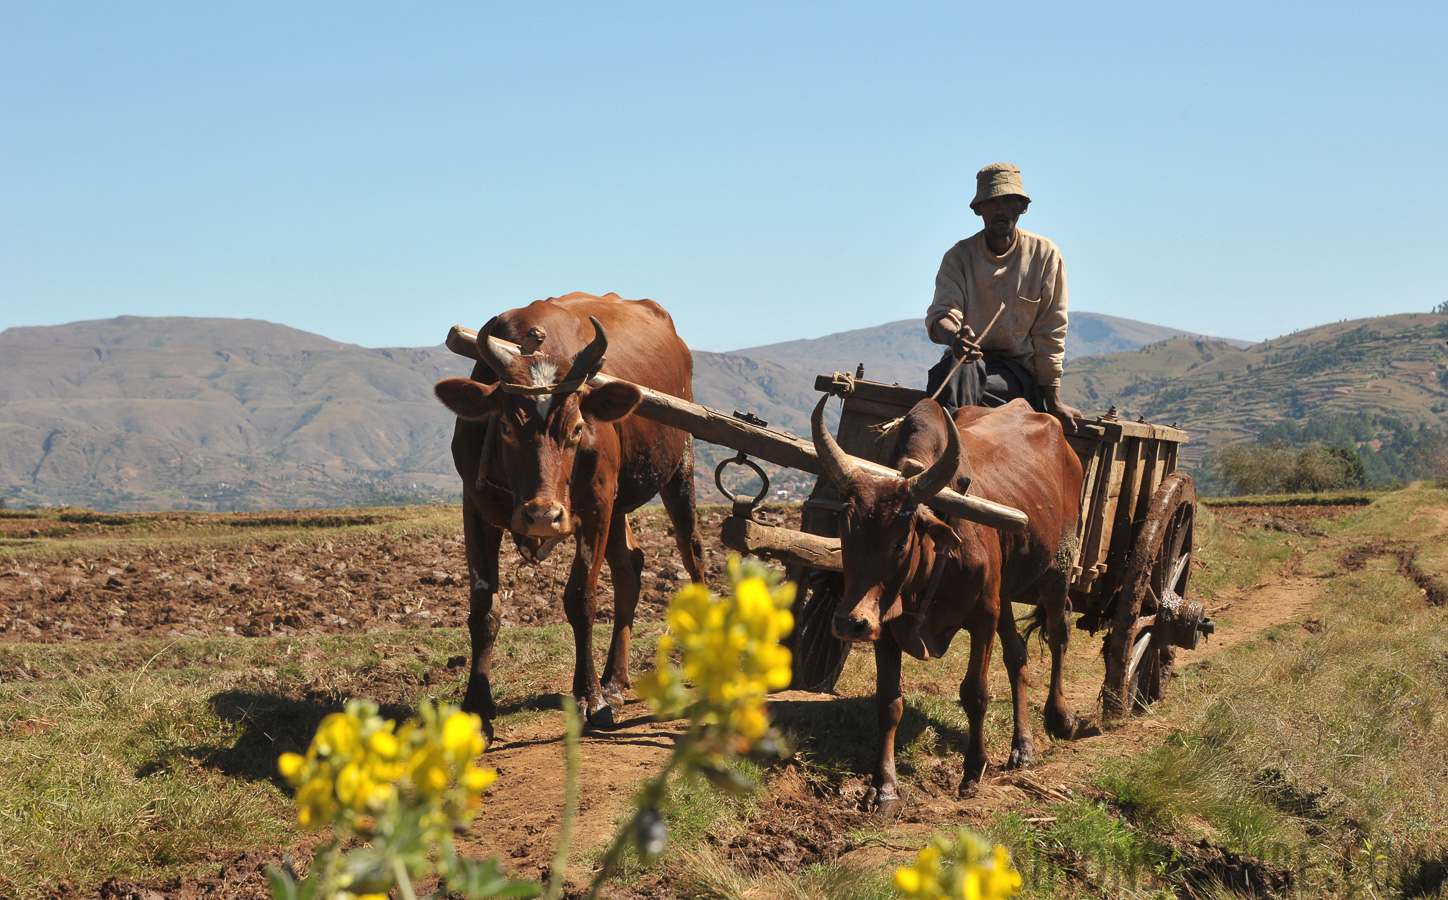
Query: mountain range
[190,413]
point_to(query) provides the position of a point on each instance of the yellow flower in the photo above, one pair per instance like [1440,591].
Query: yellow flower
[462,736]
[731,653]
[315,805]
[291,765]
[428,770]
[476,780]
[340,734]
[964,867]
[384,744]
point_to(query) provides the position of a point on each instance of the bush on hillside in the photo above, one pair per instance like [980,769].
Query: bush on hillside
[1374,450]
[1429,458]
[1278,469]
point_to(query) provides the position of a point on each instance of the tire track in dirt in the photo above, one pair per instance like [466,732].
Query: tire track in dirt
[522,812]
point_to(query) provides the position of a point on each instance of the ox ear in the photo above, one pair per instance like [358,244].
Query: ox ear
[469,399]
[946,539]
[611,402]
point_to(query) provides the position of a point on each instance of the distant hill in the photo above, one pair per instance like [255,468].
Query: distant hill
[185,413]
[901,352]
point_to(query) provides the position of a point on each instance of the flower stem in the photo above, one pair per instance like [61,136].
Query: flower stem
[573,731]
[404,881]
[652,791]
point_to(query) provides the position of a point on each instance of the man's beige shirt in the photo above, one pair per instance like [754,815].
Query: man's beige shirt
[1029,278]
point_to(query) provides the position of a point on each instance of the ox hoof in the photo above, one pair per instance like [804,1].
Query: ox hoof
[970,781]
[1062,727]
[602,717]
[1022,755]
[883,805]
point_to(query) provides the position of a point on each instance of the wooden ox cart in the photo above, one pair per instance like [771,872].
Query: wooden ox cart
[1129,578]
[1131,571]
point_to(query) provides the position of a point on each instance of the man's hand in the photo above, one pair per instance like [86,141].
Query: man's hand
[1058,408]
[963,344]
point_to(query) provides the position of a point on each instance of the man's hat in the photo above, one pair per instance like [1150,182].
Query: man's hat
[998,180]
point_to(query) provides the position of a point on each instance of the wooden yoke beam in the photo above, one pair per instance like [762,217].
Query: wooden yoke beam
[772,445]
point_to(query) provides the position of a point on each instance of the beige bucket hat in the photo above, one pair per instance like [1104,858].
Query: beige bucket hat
[998,180]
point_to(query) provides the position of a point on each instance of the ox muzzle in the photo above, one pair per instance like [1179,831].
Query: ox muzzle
[858,622]
[541,519]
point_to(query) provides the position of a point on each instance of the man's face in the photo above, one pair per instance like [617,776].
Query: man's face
[1000,215]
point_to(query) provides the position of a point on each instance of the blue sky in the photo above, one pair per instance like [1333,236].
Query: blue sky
[377,172]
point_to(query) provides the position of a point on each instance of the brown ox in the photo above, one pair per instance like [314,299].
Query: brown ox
[565,459]
[912,580]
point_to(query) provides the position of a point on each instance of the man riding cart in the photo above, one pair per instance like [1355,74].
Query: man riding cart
[1000,308]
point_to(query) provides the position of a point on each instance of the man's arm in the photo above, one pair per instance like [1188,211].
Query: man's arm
[945,319]
[947,311]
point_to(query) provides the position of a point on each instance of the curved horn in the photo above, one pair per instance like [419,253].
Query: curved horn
[589,360]
[941,473]
[497,358]
[837,465]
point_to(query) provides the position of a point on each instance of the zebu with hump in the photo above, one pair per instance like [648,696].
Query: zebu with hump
[545,456]
[912,580]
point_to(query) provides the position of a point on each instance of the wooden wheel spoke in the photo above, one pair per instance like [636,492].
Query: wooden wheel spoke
[1178,569]
[1138,650]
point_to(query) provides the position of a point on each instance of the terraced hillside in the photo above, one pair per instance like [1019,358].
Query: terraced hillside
[1392,366]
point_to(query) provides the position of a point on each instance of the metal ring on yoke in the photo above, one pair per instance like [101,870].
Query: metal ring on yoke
[741,460]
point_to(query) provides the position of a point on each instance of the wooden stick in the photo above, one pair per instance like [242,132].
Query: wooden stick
[959,362]
[885,428]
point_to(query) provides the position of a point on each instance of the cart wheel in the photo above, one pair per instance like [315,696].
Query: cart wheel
[1138,657]
[819,656]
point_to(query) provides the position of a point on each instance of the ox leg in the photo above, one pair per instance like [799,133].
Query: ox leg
[626,562]
[1060,723]
[580,604]
[975,697]
[482,542]
[677,494]
[884,794]
[1013,651]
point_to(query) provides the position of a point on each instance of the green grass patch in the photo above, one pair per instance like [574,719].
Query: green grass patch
[1231,557]
[1318,752]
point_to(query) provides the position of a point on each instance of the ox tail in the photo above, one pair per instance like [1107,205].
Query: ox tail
[1035,622]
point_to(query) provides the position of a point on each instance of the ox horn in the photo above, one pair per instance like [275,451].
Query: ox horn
[497,358]
[837,465]
[941,473]
[589,360]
